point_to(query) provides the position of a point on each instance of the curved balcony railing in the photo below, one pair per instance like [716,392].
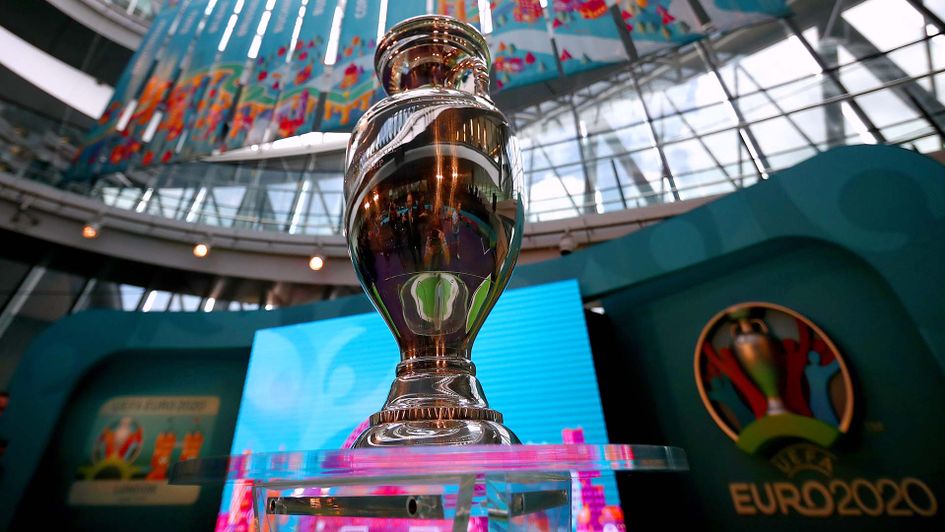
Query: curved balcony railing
[141,11]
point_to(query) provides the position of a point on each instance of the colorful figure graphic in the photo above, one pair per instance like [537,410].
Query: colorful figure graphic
[134,440]
[193,441]
[818,378]
[122,439]
[116,448]
[161,457]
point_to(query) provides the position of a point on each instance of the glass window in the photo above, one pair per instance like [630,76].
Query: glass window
[130,295]
[886,23]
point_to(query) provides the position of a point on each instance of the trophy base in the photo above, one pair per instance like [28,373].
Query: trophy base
[436,432]
[436,401]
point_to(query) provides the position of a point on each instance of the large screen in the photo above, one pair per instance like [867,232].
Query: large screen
[313,386]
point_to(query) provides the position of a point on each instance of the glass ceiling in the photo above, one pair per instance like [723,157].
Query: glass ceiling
[706,119]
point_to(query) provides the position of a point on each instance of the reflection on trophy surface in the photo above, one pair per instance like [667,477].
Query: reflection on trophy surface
[434,222]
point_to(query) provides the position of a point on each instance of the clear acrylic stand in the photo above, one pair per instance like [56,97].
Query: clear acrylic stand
[520,487]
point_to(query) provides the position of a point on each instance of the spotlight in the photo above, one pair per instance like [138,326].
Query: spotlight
[201,250]
[91,230]
[316,262]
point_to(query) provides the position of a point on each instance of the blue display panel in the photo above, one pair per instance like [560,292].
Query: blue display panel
[313,385]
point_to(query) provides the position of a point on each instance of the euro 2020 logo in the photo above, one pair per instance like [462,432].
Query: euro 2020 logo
[765,373]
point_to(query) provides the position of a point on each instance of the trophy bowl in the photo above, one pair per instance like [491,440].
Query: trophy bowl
[433,219]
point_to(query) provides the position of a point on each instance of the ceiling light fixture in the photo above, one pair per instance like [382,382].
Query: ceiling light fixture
[91,230]
[201,250]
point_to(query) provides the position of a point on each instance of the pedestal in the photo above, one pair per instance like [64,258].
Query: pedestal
[521,487]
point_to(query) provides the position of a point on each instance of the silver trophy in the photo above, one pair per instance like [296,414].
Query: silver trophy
[433,218]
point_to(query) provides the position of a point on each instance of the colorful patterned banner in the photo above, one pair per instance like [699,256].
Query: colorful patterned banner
[213,75]
[225,81]
[253,115]
[353,85]
[520,44]
[93,153]
[298,102]
[180,107]
[133,77]
[730,14]
[465,10]
[586,35]
[655,25]
[162,80]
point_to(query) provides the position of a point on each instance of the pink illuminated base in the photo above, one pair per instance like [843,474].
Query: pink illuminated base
[407,461]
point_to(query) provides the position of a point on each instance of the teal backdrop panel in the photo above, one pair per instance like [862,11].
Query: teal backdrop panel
[78,346]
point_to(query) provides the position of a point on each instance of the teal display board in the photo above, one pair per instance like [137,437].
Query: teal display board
[343,368]
[136,414]
[887,473]
[847,239]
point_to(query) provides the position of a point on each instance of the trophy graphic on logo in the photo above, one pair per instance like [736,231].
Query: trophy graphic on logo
[433,218]
[756,351]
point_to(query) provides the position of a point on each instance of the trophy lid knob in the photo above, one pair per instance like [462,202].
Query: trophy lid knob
[433,51]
